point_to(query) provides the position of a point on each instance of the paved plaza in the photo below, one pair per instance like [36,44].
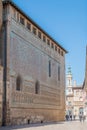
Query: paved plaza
[70,125]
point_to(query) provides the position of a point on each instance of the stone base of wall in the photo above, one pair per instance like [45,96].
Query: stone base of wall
[27,116]
[0,116]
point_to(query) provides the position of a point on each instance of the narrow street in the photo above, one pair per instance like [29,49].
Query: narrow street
[70,125]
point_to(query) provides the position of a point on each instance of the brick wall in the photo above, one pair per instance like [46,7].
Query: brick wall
[1,92]
[28,56]
[0,13]
[0,29]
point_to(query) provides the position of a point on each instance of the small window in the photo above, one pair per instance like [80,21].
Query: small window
[22,20]
[49,68]
[39,35]
[44,38]
[34,30]
[58,72]
[52,45]
[70,90]
[61,53]
[69,103]
[48,42]
[59,50]
[14,14]
[29,26]
[37,87]
[55,48]
[18,83]
[18,17]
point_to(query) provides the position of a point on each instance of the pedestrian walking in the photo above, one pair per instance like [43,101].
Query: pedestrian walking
[83,117]
[80,116]
[71,117]
[67,117]
[74,117]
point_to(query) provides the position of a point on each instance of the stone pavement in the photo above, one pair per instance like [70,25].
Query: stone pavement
[70,125]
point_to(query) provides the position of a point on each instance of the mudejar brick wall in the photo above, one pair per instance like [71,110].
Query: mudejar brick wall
[35,71]
[0,30]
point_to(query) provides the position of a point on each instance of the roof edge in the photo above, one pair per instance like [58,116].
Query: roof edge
[30,19]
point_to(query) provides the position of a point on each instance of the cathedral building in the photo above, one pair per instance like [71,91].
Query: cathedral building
[32,70]
[75,97]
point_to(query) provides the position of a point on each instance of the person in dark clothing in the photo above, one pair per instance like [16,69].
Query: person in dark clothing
[71,117]
[80,116]
[67,117]
[74,117]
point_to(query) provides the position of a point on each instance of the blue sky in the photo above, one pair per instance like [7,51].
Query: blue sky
[66,22]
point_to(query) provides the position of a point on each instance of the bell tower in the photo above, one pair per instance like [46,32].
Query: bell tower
[69,82]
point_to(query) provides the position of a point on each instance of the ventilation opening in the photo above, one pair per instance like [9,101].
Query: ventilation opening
[28,121]
[37,87]
[18,83]
[41,121]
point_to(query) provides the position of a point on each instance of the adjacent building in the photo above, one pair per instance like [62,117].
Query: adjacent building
[75,96]
[85,84]
[32,70]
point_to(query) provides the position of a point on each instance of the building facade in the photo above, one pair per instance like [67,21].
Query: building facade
[75,97]
[85,84]
[33,65]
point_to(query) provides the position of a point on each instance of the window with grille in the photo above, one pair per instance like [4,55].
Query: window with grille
[55,48]
[61,53]
[17,16]
[29,26]
[22,20]
[44,38]
[39,35]
[52,45]
[48,42]
[59,50]
[14,14]
[34,30]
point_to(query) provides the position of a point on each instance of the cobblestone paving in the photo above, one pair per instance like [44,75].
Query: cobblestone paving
[70,125]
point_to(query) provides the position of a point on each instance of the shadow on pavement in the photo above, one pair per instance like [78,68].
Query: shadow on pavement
[29,125]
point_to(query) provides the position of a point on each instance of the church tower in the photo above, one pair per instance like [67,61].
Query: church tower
[69,82]
[85,82]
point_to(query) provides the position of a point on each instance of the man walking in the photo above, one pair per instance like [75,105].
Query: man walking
[80,116]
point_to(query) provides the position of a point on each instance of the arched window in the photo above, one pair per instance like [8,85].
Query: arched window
[37,87]
[18,83]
